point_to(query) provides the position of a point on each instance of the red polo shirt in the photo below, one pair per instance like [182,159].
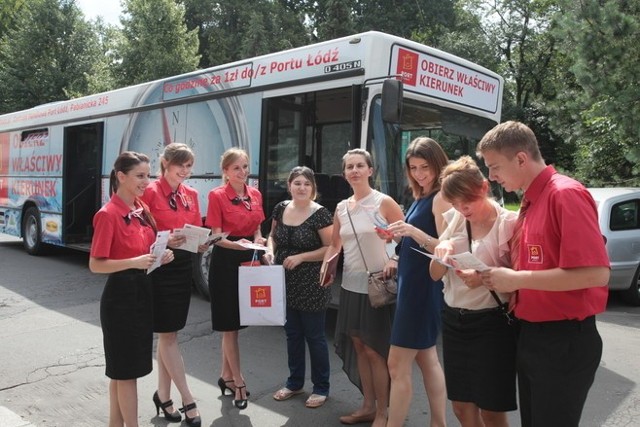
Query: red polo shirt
[560,229]
[234,219]
[157,196]
[113,238]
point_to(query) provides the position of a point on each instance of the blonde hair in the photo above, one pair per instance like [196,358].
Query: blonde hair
[176,154]
[429,150]
[229,157]
[462,180]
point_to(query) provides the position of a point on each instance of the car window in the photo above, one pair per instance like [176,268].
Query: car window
[624,216]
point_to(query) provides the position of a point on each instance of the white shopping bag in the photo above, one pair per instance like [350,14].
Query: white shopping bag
[261,295]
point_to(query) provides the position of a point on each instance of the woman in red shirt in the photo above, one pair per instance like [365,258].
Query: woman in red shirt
[123,233]
[173,204]
[234,208]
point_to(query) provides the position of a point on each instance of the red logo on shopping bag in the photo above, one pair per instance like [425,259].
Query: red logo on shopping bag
[260,296]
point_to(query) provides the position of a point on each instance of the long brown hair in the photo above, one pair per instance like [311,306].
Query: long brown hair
[430,151]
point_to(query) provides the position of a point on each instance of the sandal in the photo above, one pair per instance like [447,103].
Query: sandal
[315,401]
[284,393]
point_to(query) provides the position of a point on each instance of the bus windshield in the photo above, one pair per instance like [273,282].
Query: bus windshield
[457,133]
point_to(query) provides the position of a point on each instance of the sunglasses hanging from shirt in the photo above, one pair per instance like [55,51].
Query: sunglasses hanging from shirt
[173,202]
[246,201]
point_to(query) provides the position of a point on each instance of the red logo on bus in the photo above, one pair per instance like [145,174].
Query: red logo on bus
[408,66]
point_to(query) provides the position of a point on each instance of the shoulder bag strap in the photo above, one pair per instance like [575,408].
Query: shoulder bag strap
[493,293]
[346,206]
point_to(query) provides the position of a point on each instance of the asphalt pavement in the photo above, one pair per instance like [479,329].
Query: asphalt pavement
[52,363]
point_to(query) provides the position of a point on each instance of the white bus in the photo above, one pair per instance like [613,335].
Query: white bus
[304,106]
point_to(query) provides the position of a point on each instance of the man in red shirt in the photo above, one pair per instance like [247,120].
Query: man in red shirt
[560,278]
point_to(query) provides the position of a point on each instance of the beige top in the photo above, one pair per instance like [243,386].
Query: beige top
[492,249]
[354,274]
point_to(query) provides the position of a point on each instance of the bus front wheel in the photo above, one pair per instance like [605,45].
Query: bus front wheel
[201,272]
[32,231]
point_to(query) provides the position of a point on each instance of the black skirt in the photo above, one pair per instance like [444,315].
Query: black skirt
[223,286]
[172,292]
[126,316]
[479,354]
[356,318]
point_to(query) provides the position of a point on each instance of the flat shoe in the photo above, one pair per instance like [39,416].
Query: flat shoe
[358,419]
[284,394]
[315,401]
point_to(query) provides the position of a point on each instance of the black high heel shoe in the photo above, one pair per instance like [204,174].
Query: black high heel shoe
[241,403]
[192,422]
[224,387]
[173,417]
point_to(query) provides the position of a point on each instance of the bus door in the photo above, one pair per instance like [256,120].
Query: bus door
[285,139]
[315,130]
[81,181]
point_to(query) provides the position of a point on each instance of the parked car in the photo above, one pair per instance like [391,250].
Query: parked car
[619,217]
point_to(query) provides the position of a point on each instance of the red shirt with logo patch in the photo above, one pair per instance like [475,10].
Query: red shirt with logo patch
[560,230]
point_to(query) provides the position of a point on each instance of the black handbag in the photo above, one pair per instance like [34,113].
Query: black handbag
[381,291]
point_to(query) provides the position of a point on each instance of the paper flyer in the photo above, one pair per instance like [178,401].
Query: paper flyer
[463,261]
[250,245]
[433,257]
[157,249]
[195,236]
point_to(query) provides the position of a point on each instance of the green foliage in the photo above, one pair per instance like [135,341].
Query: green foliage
[602,101]
[230,30]
[9,11]
[155,42]
[46,56]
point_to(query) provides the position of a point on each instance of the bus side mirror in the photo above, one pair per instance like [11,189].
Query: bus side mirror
[392,101]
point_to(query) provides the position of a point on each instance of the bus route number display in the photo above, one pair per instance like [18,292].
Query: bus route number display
[343,66]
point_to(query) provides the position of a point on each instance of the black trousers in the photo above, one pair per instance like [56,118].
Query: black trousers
[557,363]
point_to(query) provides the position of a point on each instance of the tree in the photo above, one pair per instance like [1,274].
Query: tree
[600,107]
[46,56]
[155,43]
[9,11]
[230,30]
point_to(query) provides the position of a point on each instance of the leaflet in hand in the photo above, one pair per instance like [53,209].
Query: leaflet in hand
[251,245]
[158,248]
[463,261]
[195,236]
[467,261]
[433,257]
[215,238]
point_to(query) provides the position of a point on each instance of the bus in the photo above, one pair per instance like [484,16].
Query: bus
[303,106]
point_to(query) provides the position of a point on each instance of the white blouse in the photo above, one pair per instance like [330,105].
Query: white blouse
[492,249]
